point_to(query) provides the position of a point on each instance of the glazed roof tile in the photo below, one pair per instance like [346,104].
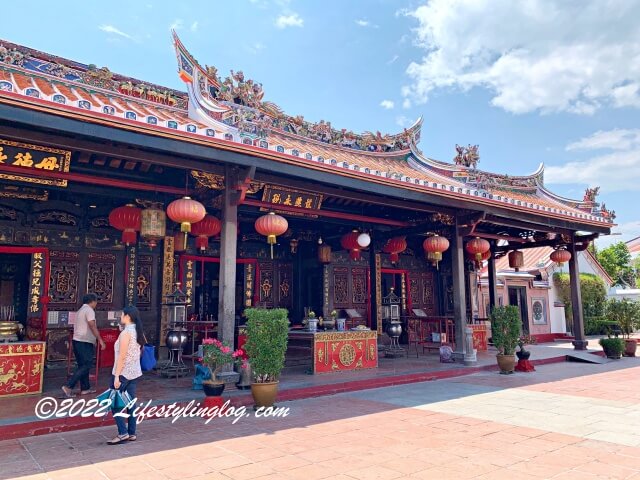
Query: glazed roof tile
[406,166]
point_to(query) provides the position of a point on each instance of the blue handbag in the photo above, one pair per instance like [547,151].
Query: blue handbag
[117,400]
[147,356]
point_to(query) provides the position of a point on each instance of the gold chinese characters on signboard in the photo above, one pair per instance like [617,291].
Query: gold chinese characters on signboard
[132,275]
[34,157]
[291,198]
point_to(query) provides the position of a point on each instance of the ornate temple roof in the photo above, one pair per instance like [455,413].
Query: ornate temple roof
[231,113]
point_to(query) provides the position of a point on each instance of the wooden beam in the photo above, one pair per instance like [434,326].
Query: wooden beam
[91,179]
[243,181]
[467,223]
[326,213]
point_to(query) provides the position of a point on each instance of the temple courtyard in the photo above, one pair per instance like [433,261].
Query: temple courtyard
[566,420]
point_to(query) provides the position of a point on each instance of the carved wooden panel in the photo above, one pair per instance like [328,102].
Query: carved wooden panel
[266,284]
[145,264]
[422,292]
[285,284]
[341,287]
[64,278]
[358,285]
[100,276]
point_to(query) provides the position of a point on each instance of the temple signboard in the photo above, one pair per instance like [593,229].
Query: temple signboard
[291,198]
[36,158]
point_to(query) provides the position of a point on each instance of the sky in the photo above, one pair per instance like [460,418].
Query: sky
[536,81]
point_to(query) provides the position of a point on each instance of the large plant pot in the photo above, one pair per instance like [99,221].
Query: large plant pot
[630,347]
[264,394]
[507,363]
[212,389]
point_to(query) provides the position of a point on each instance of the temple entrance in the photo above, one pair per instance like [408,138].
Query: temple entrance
[518,298]
[14,286]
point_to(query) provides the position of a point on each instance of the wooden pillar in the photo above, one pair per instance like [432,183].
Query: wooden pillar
[373,285]
[493,293]
[228,247]
[580,343]
[459,297]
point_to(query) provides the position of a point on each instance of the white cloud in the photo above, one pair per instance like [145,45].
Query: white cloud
[538,55]
[617,139]
[616,169]
[115,31]
[406,103]
[387,104]
[292,20]
[623,233]
[177,24]
[393,59]
[194,26]
[365,23]
[255,48]
[403,122]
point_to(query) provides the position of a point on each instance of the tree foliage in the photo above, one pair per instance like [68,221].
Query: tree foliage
[267,335]
[616,260]
[592,289]
[505,328]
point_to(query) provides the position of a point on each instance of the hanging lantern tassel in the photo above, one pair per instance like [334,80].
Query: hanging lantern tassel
[434,246]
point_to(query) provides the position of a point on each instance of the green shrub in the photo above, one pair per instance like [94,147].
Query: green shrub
[592,289]
[613,347]
[505,328]
[625,313]
[267,335]
[600,326]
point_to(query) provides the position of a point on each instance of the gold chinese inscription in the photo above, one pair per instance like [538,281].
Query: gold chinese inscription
[132,276]
[248,284]
[189,280]
[36,287]
[291,198]
[34,157]
[167,283]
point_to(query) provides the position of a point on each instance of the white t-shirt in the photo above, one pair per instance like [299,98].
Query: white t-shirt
[81,330]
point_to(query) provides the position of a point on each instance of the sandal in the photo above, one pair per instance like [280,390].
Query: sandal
[87,392]
[67,392]
[133,438]
[118,440]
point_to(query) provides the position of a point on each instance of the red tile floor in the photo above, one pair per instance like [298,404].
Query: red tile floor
[17,416]
[564,421]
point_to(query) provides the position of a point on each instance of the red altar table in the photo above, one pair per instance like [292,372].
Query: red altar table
[21,368]
[339,351]
[479,337]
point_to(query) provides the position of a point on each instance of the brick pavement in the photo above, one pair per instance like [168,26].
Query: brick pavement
[565,421]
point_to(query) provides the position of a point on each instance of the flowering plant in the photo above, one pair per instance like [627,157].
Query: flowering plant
[217,354]
[526,340]
[334,313]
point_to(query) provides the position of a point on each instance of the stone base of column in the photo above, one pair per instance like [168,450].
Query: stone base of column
[580,344]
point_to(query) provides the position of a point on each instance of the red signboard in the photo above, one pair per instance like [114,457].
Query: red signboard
[336,351]
[21,368]
[479,337]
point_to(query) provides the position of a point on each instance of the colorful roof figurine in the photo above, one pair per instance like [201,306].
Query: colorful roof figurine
[231,113]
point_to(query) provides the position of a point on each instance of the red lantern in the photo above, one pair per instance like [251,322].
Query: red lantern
[209,226]
[179,243]
[560,256]
[394,247]
[516,260]
[271,225]
[434,246]
[186,211]
[126,219]
[349,242]
[477,247]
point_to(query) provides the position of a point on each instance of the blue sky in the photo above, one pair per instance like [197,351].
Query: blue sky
[529,82]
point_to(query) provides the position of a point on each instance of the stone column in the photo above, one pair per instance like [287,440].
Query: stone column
[459,296]
[580,343]
[228,251]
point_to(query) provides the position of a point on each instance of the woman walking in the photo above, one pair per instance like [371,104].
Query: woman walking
[127,370]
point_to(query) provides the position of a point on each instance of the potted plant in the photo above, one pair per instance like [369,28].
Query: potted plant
[267,335]
[216,355]
[626,314]
[613,347]
[505,329]
[523,340]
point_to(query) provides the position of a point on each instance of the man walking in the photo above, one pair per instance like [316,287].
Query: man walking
[85,334]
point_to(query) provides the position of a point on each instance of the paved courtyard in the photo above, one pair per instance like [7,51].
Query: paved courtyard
[567,420]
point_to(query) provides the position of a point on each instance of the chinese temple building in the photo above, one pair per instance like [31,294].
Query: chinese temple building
[92,162]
